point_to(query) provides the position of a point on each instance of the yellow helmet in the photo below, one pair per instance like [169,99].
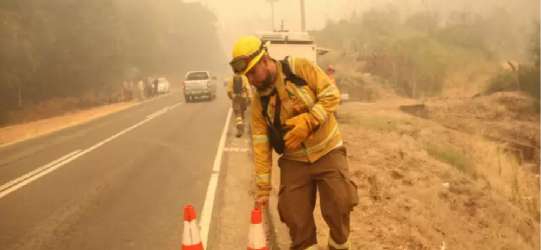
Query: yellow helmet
[247,51]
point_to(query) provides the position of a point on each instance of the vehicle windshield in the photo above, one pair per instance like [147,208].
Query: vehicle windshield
[197,76]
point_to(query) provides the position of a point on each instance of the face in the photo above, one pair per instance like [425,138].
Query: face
[260,75]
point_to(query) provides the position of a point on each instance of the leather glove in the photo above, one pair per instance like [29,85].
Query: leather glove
[301,130]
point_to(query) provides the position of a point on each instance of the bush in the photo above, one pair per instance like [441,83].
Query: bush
[528,74]
[417,55]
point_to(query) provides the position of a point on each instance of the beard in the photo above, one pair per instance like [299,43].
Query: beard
[267,83]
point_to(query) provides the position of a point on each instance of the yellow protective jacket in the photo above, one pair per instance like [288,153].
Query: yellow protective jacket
[247,93]
[319,98]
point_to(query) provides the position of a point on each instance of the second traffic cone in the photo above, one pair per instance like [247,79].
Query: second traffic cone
[256,236]
[191,240]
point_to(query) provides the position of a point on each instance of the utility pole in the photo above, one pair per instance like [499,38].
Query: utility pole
[303,20]
[272,11]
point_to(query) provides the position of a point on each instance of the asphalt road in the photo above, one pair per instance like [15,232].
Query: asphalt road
[118,182]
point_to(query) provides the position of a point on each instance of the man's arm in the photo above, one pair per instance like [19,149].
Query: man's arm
[262,150]
[327,95]
[248,88]
[230,88]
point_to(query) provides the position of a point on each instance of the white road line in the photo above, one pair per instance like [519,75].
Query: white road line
[32,178]
[66,160]
[206,214]
[26,176]
[174,106]
[159,112]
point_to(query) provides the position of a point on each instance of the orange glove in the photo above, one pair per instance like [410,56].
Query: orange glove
[301,130]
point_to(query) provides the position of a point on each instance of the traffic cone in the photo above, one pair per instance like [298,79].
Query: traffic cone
[256,235]
[191,240]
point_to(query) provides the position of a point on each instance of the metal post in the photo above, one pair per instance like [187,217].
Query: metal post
[272,12]
[303,21]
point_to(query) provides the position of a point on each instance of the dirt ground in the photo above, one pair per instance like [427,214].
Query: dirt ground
[32,129]
[426,186]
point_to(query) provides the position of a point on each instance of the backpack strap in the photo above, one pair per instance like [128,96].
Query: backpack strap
[288,73]
[265,105]
[274,128]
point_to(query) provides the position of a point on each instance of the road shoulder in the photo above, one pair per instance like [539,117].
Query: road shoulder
[236,200]
[21,132]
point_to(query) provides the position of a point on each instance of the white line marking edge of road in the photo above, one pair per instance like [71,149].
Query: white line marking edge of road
[208,205]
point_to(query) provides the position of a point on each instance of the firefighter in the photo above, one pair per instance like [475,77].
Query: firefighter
[330,73]
[240,93]
[292,113]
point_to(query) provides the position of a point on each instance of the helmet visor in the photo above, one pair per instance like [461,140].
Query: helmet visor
[239,64]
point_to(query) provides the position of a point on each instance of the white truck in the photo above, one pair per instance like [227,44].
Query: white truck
[298,44]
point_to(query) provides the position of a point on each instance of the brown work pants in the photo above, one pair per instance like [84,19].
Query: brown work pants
[299,182]
[239,107]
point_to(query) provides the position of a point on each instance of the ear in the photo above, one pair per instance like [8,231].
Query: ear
[265,60]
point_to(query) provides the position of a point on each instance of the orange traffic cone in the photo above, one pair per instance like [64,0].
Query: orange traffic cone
[256,236]
[191,240]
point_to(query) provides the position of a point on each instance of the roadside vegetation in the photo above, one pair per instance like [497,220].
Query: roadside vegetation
[445,139]
[60,55]
[424,53]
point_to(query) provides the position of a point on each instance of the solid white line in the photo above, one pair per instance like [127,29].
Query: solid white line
[13,182]
[176,105]
[39,175]
[71,158]
[159,112]
[206,214]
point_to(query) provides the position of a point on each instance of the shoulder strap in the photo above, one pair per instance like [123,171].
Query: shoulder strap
[264,108]
[290,76]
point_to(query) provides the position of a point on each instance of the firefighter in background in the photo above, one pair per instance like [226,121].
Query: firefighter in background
[240,93]
[330,73]
[292,113]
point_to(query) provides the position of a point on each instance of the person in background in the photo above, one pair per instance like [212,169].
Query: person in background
[132,89]
[148,87]
[156,81]
[127,90]
[240,93]
[330,73]
[141,89]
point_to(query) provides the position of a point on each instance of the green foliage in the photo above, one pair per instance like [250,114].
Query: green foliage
[63,48]
[418,53]
[528,73]
[452,157]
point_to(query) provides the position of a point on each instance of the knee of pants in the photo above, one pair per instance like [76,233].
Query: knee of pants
[338,196]
[294,212]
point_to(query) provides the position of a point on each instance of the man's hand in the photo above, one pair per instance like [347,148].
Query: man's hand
[261,202]
[299,133]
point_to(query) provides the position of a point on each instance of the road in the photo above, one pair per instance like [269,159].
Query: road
[118,182]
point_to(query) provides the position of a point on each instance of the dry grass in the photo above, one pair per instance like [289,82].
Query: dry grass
[423,185]
[405,204]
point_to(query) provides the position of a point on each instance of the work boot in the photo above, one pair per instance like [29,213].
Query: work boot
[240,130]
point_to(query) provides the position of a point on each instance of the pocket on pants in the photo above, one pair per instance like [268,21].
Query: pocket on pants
[352,188]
